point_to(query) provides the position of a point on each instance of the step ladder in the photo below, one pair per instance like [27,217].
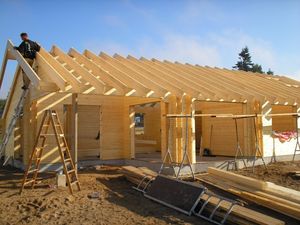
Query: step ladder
[17,114]
[50,118]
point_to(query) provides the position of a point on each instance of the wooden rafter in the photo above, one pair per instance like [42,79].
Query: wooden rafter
[98,72]
[125,78]
[34,78]
[69,77]
[134,64]
[88,73]
[145,80]
[182,83]
[99,86]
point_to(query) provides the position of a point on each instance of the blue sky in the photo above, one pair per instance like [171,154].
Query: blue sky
[199,32]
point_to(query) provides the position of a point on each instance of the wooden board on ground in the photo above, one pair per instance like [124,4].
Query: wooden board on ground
[262,193]
[239,214]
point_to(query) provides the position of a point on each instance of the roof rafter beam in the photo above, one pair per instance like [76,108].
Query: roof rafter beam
[31,74]
[77,86]
[146,80]
[158,78]
[203,94]
[125,78]
[51,73]
[256,82]
[234,97]
[99,86]
[105,76]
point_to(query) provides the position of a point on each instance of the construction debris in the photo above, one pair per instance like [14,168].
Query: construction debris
[267,194]
[294,175]
[239,214]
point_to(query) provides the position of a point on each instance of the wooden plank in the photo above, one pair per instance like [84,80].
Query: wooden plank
[77,86]
[3,66]
[175,80]
[100,87]
[97,71]
[240,179]
[147,142]
[144,79]
[124,77]
[207,81]
[278,204]
[34,78]
[132,131]
[267,187]
[156,77]
[52,74]
[75,129]
[135,175]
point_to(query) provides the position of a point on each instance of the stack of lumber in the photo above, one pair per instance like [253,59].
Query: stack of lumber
[267,194]
[239,215]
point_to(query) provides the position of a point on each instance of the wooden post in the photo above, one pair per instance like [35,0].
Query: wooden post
[132,131]
[163,129]
[173,134]
[74,123]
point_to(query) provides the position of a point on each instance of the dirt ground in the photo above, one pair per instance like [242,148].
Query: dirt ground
[277,173]
[117,204]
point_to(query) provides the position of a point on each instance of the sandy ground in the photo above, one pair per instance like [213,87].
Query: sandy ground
[277,173]
[118,203]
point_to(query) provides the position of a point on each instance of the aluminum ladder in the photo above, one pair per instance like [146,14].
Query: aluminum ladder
[12,123]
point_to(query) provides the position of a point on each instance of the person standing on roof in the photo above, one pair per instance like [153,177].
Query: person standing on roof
[28,50]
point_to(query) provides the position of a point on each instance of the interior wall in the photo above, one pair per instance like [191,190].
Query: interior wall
[219,134]
[150,141]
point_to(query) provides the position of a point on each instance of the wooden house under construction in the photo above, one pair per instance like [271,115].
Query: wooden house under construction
[115,107]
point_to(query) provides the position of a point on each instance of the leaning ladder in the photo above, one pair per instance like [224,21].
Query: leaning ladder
[12,123]
[50,118]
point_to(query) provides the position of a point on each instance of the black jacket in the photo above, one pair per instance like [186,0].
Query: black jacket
[28,49]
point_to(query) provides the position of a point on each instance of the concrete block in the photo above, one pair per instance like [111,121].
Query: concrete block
[61,180]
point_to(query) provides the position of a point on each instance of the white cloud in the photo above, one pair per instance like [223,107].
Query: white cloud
[195,12]
[113,20]
[108,47]
[218,49]
[232,41]
[171,47]
[181,48]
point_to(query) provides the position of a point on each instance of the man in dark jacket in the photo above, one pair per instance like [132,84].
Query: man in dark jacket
[28,50]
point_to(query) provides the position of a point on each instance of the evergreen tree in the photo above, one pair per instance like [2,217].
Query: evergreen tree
[244,62]
[256,68]
[270,72]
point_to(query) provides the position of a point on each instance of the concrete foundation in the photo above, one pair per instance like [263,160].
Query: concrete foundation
[154,163]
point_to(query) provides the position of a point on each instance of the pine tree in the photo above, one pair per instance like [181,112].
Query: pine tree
[270,72]
[244,62]
[256,68]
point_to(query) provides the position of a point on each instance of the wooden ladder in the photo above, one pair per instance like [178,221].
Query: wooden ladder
[50,117]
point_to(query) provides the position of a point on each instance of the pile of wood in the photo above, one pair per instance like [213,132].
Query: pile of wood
[267,194]
[239,214]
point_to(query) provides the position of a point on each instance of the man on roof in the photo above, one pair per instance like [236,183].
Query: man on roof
[28,50]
